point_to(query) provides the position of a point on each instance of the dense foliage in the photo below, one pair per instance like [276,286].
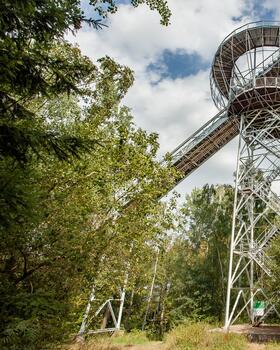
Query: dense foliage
[192,270]
[199,259]
[78,180]
[36,62]
[70,218]
[80,187]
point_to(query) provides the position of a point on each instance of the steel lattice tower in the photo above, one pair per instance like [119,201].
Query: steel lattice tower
[245,82]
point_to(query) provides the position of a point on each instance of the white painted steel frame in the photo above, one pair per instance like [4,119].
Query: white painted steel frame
[86,321]
[256,213]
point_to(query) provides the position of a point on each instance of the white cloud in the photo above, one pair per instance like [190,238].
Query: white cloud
[135,37]
[176,108]
[274,6]
[172,108]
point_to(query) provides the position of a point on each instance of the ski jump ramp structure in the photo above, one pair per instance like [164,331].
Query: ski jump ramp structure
[245,87]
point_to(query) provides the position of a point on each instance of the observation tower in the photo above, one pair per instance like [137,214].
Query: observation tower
[245,82]
[245,87]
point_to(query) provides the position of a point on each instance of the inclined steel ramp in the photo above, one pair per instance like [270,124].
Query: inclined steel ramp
[210,138]
[218,131]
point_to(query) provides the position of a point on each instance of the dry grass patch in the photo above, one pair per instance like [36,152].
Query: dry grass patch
[117,342]
[196,336]
[94,344]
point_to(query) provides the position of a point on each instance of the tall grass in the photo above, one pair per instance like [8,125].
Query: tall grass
[196,336]
[117,342]
[272,346]
[96,344]
[188,336]
[134,337]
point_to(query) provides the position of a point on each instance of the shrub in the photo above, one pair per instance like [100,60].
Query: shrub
[197,336]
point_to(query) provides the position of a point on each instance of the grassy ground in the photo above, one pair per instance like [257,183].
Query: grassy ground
[134,337]
[184,337]
[197,336]
[133,340]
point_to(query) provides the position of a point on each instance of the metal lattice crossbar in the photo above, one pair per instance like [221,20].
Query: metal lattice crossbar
[256,211]
[245,81]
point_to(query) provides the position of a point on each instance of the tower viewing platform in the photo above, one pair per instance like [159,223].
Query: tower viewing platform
[245,69]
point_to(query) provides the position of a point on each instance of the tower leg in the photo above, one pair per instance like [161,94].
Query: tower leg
[256,209]
[229,285]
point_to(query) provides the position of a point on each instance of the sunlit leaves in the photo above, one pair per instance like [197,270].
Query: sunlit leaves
[103,7]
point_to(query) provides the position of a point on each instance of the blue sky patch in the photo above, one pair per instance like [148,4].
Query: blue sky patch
[89,9]
[178,64]
[262,13]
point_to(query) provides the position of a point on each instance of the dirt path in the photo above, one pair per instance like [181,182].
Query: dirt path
[155,345]
[255,346]
[160,346]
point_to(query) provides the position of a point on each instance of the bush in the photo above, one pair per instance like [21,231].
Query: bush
[197,336]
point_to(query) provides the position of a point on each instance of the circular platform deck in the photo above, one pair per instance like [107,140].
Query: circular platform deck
[254,80]
[246,38]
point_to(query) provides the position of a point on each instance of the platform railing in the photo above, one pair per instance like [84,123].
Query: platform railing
[199,136]
[257,80]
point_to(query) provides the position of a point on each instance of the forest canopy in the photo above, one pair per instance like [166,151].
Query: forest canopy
[80,185]
[78,179]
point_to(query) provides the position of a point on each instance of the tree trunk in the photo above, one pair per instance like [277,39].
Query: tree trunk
[106,318]
[129,311]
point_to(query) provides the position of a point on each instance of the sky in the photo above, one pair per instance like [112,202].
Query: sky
[171,94]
